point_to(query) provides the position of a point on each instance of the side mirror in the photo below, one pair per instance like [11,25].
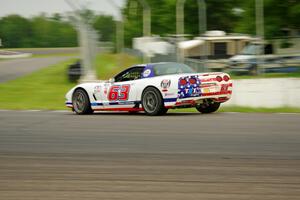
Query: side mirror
[111,80]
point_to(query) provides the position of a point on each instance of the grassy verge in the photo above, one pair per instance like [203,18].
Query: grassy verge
[246,109]
[44,89]
[268,75]
[108,65]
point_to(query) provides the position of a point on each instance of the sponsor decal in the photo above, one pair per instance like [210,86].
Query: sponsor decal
[165,84]
[169,94]
[147,73]
[97,89]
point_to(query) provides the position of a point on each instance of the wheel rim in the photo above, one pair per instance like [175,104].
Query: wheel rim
[79,103]
[150,101]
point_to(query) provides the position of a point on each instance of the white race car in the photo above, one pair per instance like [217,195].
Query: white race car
[153,88]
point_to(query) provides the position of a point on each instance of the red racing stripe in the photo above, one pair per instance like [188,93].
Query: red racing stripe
[217,93]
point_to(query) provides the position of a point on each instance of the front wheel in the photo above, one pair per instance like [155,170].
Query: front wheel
[81,102]
[152,102]
[208,108]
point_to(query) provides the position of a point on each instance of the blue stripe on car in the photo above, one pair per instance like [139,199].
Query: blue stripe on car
[125,102]
[170,100]
[96,104]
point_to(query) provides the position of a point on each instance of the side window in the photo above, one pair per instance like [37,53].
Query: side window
[129,75]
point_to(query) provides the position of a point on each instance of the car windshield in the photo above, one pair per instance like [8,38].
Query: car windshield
[171,68]
[251,49]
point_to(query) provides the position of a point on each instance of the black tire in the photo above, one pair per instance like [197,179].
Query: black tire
[81,102]
[152,102]
[164,111]
[133,112]
[211,107]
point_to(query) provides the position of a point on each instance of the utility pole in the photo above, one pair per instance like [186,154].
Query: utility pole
[179,28]
[259,16]
[146,18]
[180,17]
[202,23]
[202,17]
[119,27]
[203,27]
[146,25]
[88,44]
[259,12]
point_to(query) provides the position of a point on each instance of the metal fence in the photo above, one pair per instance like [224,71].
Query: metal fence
[275,64]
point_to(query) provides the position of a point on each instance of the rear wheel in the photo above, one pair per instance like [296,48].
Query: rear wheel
[164,110]
[81,102]
[152,102]
[208,107]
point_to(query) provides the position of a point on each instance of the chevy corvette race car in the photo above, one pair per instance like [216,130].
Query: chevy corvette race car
[153,88]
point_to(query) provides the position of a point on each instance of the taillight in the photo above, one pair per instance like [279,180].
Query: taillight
[226,78]
[182,82]
[219,78]
[193,81]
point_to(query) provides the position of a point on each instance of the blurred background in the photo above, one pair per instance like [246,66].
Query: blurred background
[46,48]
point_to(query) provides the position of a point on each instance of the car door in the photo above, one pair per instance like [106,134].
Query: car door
[123,92]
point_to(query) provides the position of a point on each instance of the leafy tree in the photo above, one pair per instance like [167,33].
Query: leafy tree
[106,27]
[220,15]
[52,33]
[40,31]
[15,31]
[163,17]
[278,15]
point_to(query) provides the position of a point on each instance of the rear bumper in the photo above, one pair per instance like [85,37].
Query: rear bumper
[221,97]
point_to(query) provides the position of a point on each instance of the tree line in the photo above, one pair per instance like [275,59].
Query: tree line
[40,31]
[44,31]
[228,15]
[232,16]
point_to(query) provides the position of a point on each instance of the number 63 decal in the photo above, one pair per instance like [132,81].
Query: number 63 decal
[118,92]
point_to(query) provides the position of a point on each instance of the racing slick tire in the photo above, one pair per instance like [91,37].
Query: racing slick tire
[164,111]
[211,107]
[152,102]
[81,102]
[133,112]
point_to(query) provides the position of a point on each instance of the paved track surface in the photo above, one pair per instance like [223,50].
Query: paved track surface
[12,69]
[58,155]
[45,51]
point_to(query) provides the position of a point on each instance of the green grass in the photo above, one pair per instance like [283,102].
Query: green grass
[44,89]
[245,109]
[108,65]
[267,75]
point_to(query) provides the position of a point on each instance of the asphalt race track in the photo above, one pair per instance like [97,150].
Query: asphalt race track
[59,155]
[12,69]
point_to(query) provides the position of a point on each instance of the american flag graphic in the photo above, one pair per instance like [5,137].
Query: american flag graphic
[189,86]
